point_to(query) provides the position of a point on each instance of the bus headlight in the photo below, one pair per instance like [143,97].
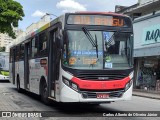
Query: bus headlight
[70,84]
[74,86]
[128,85]
[66,82]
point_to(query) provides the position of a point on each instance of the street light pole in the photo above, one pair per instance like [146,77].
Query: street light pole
[51,14]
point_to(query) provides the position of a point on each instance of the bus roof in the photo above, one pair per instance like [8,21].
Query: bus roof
[107,13]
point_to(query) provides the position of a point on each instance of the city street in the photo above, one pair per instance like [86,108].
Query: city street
[11,100]
[76,54]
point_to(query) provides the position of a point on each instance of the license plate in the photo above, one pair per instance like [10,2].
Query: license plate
[102,95]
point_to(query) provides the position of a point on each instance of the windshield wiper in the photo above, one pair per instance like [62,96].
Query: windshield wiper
[91,39]
[96,45]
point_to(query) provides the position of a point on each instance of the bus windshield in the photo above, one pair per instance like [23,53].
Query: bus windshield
[4,60]
[87,49]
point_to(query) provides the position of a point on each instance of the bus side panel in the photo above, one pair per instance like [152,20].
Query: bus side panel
[36,71]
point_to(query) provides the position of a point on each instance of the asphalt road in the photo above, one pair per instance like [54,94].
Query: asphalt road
[11,100]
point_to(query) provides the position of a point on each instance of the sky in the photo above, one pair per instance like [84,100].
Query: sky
[35,9]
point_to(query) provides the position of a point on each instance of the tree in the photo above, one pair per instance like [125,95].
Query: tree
[10,13]
[2,49]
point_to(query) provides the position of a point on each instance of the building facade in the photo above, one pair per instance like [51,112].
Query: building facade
[143,7]
[146,25]
[6,40]
[34,26]
[147,52]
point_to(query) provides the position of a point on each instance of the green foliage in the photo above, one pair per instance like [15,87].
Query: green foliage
[2,49]
[10,13]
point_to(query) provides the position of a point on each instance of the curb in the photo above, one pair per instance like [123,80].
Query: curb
[146,96]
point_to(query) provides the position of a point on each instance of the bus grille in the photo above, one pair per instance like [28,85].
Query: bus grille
[94,76]
[112,94]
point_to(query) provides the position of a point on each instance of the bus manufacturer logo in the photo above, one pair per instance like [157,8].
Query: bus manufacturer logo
[103,78]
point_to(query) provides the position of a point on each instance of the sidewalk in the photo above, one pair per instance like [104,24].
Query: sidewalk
[147,94]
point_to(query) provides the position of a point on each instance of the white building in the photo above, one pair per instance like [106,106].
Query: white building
[33,27]
[5,39]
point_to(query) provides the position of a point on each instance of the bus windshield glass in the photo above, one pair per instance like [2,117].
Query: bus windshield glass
[87,49]
[4,61]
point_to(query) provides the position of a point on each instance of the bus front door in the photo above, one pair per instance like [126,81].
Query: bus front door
[52,66]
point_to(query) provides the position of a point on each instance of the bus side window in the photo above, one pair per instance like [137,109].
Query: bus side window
[43,44]
[34,48]
[22,51]
[17,53]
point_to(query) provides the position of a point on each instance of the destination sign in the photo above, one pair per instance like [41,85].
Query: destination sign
[98,20]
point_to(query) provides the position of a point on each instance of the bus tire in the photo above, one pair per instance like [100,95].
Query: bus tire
[18,85]
[44,95]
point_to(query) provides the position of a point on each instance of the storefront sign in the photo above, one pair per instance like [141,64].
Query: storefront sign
[151,34]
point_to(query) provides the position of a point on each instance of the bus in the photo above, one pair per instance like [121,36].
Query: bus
[4,66]
[81,57]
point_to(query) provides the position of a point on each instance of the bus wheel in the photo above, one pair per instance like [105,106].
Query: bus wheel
[44,94]
[18,85]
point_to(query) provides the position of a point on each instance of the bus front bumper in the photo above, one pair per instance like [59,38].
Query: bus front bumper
[69,95]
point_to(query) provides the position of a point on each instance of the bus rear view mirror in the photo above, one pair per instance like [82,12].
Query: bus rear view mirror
[59,42]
